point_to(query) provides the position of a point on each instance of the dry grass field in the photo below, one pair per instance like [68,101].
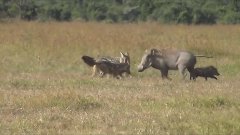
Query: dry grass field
[45,88]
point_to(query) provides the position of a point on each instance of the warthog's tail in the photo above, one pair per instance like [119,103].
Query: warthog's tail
[204,56]
[89,60]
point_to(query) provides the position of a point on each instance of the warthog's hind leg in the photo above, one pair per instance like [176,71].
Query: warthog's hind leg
[182,69]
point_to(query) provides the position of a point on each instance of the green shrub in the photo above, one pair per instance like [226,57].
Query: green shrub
[184,17]
[166,11]
[203,17]
[29,11]
[232,18]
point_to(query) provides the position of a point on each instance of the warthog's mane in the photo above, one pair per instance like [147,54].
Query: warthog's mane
[163,52]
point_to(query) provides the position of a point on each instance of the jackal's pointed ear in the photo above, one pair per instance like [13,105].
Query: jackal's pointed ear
[146,51]
[153,51]
[122,55]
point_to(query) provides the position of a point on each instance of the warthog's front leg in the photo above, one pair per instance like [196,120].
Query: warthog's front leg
[165,74]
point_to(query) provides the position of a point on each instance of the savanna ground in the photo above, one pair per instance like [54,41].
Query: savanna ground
[45,88]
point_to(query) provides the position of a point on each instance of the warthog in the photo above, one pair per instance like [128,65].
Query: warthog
[165,60]
[205,72]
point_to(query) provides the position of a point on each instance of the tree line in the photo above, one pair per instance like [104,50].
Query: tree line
[164,11]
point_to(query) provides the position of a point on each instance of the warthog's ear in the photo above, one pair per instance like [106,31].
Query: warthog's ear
[126,54]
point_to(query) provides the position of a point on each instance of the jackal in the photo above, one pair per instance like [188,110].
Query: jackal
[108,65]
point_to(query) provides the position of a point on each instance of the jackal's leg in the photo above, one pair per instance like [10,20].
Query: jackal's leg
[95,70]
[108,75]
[118,76]
[101,74]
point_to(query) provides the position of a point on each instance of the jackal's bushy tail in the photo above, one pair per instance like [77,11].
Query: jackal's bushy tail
[89,60]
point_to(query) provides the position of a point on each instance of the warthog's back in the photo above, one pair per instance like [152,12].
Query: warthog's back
[186,58]
[173,58]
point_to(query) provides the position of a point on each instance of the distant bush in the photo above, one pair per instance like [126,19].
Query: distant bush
[165,11]
[59,12]
[232,18]
[205,17]
[29,11]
